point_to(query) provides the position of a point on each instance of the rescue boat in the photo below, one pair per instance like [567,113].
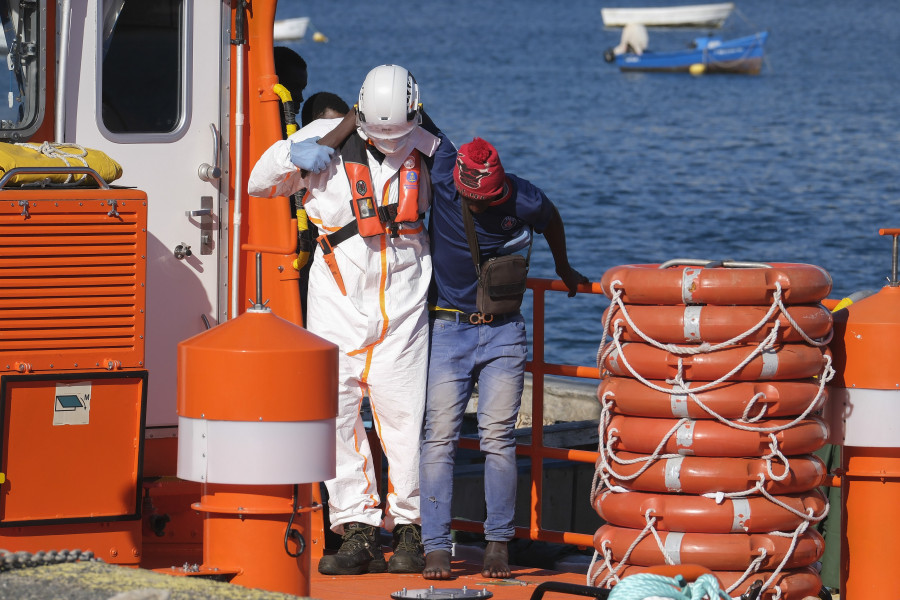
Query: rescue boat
[164,404]
[128,249]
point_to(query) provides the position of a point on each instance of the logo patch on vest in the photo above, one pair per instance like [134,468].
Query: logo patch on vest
[361,187]
[508,223]
[412,177]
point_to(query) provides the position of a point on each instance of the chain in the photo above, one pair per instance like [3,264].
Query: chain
[20,560]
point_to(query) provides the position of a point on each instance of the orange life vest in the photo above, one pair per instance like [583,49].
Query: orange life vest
[371,218]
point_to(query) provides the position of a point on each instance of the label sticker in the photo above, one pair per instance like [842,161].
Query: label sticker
[72,405]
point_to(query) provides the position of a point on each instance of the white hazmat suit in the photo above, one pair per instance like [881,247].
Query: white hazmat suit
[380,325]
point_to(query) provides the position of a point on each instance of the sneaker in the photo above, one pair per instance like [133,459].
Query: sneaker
[359,553]
[409,554]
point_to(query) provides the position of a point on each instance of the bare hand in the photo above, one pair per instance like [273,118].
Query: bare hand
[572,279]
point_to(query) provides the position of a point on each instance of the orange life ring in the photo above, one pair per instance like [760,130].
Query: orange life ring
[714,438]
[715,551]
[706,475]
[688,571]
[649,284]
[730,400]
[787,361]
[686,512]
[795,584]
[680,324]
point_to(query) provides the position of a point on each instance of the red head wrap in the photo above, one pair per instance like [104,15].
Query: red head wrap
[478,173]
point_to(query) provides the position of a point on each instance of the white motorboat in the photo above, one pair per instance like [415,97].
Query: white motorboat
[290,29]
[694,15]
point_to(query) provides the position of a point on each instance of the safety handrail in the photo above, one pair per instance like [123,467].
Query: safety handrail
[572,589]
[535,449]
[54,171]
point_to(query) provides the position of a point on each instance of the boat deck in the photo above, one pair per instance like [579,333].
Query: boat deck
[466,574]
[89,580]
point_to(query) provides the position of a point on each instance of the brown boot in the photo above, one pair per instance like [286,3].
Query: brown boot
[359,553]
[409,555]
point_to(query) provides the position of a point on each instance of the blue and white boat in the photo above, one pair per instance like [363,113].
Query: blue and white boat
[708,54]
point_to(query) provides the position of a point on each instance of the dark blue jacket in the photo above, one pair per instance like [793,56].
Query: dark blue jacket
[454,278]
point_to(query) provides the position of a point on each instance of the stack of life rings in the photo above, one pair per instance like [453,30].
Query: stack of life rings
[713,378]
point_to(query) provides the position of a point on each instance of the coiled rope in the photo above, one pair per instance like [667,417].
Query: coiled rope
[54,150]
[647,586]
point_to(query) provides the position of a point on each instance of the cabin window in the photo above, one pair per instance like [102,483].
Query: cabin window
[21,67]
[143,65]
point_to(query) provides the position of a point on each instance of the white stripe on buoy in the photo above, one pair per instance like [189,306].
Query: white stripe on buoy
[673,474]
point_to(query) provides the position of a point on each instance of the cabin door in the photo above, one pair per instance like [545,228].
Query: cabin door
[145,85]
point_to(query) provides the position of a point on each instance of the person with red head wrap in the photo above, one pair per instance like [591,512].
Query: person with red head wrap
[469,347]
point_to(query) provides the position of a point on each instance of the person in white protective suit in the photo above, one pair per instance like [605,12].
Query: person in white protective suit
[367,293]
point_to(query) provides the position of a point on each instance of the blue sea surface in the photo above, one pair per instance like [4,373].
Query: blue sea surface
[798,164]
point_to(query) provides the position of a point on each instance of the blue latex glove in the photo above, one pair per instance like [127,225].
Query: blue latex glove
[310,156]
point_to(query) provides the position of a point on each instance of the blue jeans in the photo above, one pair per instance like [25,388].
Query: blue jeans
[493,355]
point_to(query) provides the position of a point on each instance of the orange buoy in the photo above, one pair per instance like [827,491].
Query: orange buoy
[752,285]
[709,475]
[865,413]
[715,551]
[242,430]
[713,438]
[238,406]
[866,355]
[794,584]
[683,512]
[786,361]
[681,324]
[731,400]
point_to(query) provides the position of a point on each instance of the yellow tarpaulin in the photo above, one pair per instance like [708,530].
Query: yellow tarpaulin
[62,156]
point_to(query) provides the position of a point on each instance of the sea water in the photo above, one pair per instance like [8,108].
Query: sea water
[797,164]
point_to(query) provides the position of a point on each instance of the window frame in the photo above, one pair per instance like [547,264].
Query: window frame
[40,70]
[182,122]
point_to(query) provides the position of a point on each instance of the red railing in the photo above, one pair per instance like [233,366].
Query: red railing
[535,449]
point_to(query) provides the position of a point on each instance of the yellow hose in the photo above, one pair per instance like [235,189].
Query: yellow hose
[303,249]
[290,115]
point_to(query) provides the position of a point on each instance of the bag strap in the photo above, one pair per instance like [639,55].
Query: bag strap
[473,239]
[471,236]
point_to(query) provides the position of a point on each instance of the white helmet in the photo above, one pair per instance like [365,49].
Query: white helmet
[389,106]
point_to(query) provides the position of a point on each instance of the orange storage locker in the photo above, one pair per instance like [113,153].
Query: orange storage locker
[72,379]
